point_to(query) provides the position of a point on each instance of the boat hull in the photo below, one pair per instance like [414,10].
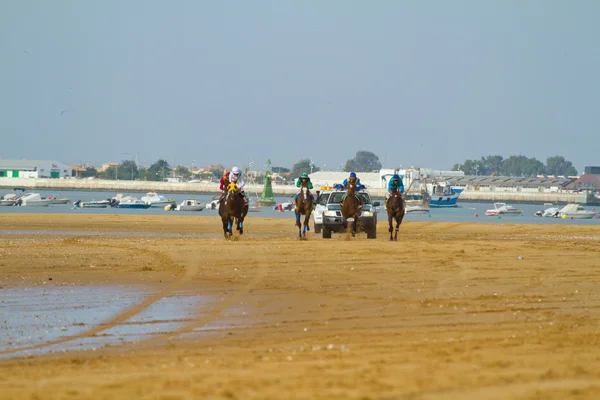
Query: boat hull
[189,208]
[579,216]
[7,202]
[36,203]
[60,201]
[446,201]
[134,206]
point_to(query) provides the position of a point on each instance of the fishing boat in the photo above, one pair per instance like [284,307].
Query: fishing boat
[443,195]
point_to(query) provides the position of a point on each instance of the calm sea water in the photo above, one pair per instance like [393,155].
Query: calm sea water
[466,212]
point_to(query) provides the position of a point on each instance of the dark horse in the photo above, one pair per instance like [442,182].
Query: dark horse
[395,208]
[304,206]
[232,209]
[351,207]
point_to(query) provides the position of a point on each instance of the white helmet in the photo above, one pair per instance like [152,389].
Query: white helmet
[235,170]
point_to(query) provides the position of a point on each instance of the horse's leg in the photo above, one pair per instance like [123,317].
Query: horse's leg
[306,219]
[230,226]
[397,227]
[241,225]
[354,225]
[391,222]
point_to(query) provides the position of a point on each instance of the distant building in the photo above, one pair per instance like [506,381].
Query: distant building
[34,169]
[106,166]
[588,182]
[512,184]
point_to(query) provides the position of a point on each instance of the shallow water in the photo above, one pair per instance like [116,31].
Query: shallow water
[464,213]
[34,316]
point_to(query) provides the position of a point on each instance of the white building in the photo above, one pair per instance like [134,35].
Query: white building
[34,169]
[380,179]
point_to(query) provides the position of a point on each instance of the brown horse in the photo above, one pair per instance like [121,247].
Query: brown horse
[304,206]
[233,209]
[395,208]
[351,207]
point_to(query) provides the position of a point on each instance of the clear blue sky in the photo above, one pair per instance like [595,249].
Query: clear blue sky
[424,83]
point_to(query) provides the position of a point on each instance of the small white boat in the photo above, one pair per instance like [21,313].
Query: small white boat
[416,210]
[187,205]
[33,200]
[63,200]
[156,200]
[504,210]
[576,211]
[92,204]
[9,199]
[549,212]
[213,205]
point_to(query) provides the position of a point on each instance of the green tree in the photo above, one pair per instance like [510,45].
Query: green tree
[522,166]
[158,171]
[89,172]
[128,170]
[491,165]
[557,165]
[110,173]
[363,161]
[304,166]
[280,170]
[182,171]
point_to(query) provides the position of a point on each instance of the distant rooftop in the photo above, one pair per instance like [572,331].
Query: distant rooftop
[509,181]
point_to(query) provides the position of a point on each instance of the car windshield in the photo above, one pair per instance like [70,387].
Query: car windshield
[337,197]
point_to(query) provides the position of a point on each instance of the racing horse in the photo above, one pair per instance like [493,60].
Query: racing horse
[395,207]
[233,210]
[351,207]
[303,206]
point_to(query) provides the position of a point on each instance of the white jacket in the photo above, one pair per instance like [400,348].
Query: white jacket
[239,180]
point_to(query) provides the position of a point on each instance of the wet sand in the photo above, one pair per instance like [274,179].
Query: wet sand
[450,311]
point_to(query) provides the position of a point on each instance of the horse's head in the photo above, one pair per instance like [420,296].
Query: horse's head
[232,187]
[351,187]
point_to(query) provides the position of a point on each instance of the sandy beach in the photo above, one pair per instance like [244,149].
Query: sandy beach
[450,311]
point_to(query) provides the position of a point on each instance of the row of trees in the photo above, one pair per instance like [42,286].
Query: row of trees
[363,161]
[128,170]
[516,166]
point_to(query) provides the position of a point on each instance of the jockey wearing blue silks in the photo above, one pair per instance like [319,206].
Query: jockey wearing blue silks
[354,180]
[396,183]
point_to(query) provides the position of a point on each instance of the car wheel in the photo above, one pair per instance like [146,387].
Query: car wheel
[372,233]
[318,228]
[326,233]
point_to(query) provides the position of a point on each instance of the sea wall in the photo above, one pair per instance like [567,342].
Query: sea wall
[99,185]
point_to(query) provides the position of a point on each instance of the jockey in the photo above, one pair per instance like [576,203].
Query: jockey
[394,183]
[223,183]
[236,176]
[356,181]
[304,178]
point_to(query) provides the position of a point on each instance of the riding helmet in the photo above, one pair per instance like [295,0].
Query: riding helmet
[353,174]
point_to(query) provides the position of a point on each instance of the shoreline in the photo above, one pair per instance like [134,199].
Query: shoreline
[99,185]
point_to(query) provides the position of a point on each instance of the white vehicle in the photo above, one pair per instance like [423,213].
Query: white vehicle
[327,216]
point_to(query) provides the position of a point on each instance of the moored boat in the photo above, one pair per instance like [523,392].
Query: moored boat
[576,211]
[187,205]
[92,204]
[9,199]
[444,196]
[33,200]
[503,209]
[156,200]
[132,202]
